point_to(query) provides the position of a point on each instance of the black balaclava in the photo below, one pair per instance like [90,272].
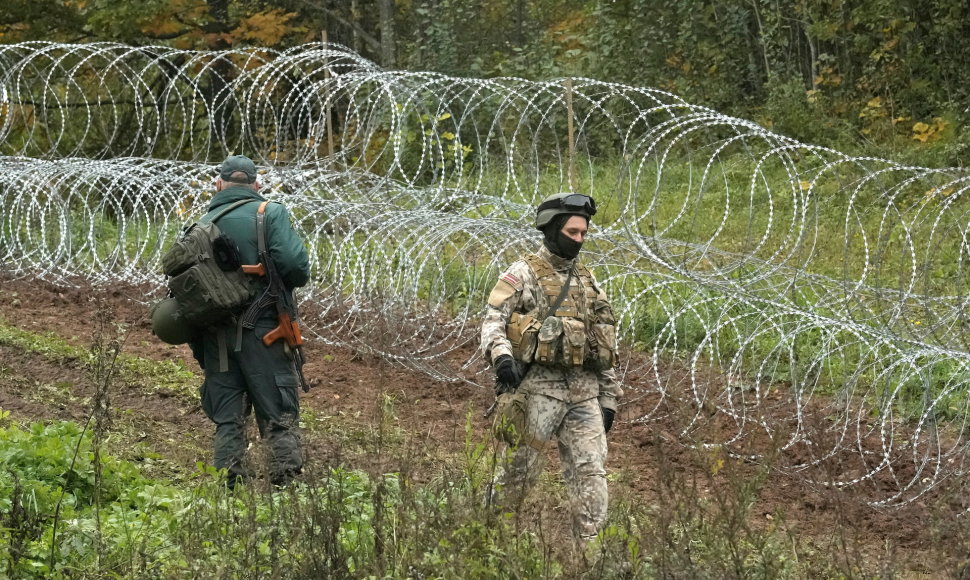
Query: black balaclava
[559,243]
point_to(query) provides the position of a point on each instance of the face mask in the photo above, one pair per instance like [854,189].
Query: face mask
[559,243]
[563,246]
[568,247]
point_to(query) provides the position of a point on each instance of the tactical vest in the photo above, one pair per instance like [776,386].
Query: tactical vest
[578,300]
[571,335]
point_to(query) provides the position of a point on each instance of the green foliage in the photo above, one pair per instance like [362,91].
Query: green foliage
[872,75]
[791,110]
[48,497]
[157,374]
[789,64]
[348,523]
[35,19]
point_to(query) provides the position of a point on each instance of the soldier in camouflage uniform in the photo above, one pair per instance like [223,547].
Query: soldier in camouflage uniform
[550,336]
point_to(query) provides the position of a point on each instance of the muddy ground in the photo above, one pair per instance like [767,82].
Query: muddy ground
[424,422]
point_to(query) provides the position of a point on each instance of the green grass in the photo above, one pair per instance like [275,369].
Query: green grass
[826,230]
[165,375]
[103,517]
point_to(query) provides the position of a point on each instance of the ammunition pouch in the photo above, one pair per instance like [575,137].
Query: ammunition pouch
[602,354]
[549,345]
[561,342]
[573,342]
[522,331]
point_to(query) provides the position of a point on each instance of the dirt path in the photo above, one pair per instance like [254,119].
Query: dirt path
[378,404]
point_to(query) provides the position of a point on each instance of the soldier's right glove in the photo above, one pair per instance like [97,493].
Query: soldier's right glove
[507,372]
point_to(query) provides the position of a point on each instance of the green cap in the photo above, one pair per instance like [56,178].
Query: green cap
[236,163]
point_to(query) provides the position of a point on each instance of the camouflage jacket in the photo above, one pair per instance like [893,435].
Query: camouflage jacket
[518,291]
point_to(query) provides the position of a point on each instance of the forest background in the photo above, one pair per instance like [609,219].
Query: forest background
[877,77]
[884,78]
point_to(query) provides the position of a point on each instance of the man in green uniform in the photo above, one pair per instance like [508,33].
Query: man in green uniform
[549,334]
[242,373]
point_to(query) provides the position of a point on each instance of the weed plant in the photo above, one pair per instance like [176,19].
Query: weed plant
[340,522]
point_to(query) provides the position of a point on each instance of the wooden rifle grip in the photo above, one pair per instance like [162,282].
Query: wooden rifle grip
[254,269]
[288,330]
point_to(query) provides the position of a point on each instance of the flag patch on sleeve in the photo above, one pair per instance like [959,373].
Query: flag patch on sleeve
[510,279]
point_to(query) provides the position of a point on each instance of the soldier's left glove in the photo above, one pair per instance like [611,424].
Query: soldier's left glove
[608,416]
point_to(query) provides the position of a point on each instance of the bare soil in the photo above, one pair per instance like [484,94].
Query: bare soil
[424,421]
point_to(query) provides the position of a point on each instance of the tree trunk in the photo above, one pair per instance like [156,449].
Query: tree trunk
[388,52]
[355,18]
[221,127]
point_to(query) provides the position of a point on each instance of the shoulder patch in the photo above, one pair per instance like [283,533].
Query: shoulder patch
[502,292]
[510,279]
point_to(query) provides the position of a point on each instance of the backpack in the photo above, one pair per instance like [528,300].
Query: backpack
[205,275]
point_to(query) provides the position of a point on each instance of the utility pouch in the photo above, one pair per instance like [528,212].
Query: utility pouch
[549,345]
[603,355]
[574,342]
[522,331]
[510,418]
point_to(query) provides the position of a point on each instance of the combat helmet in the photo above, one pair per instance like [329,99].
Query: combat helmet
[168,325]
[564,203]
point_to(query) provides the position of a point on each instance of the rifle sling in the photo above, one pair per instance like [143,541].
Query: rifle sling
[248,319]
[562,295]
[231,207]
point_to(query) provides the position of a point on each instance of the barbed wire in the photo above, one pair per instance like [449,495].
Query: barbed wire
[775,290]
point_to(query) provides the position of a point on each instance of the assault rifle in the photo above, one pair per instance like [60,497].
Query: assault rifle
[286,311]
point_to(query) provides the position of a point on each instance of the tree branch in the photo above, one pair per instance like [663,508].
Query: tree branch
[372,42]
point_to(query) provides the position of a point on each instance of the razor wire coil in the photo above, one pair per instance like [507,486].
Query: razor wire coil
[764,282]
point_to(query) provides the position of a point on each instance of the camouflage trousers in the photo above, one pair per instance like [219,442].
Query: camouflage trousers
[578,429]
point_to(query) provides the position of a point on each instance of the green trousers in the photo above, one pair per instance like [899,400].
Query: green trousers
[259,378]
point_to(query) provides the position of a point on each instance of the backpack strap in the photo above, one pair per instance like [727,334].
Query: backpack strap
[231,207]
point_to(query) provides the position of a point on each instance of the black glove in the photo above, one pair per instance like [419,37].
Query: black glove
[608,415]
[507,372]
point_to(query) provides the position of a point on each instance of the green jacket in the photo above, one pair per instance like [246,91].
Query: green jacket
[286,248]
